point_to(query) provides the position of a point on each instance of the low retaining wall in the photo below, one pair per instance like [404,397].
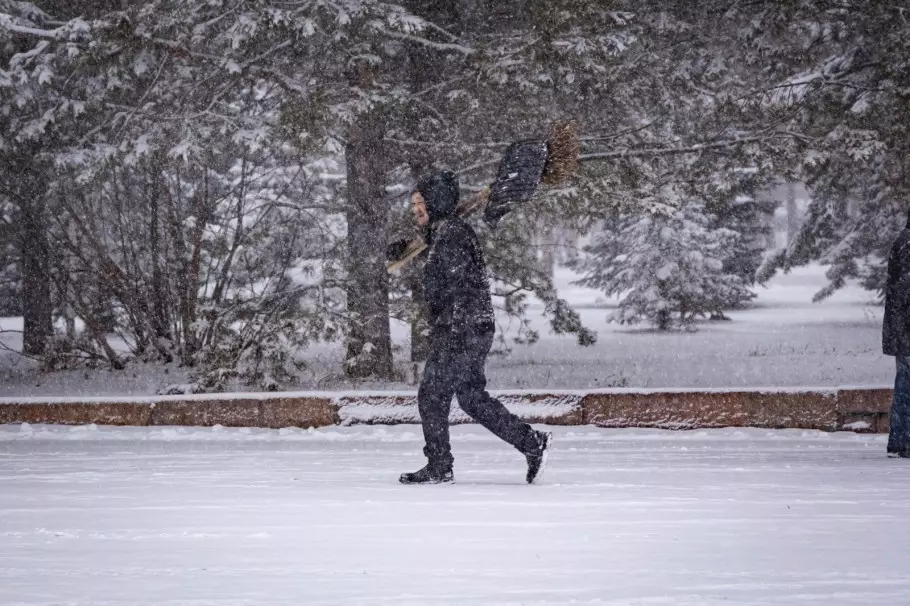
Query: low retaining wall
[851,409]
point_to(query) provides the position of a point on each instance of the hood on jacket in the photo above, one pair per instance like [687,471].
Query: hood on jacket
[440,192]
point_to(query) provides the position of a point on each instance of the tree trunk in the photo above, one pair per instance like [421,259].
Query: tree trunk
[202,206]
[159,320]
[369,343]
[37,308]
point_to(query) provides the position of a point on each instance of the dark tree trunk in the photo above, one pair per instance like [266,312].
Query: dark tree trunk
[159,316]
[37,307]
[369,343]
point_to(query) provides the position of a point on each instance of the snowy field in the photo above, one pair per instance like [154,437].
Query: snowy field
[197,517]
[783,340]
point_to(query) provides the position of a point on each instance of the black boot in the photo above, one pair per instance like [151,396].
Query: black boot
[428,475]
[538,459]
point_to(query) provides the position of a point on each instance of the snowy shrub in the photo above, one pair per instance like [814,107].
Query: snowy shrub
[254,341]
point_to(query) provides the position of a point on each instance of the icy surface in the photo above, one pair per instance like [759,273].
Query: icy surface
[201,517]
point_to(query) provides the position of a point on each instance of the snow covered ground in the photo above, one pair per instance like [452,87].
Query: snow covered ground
[783,340]
[176,516]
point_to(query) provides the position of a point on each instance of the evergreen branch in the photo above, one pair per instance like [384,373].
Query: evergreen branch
[661,151]
[329,208]
[145,95]
[623,132]
[215,20]
[441,46]
[285,81]
[441,30]
[808,79]
[417,143]
[7,23]
[431,109]
[437,86]
[478,166]
[666,151]
[266,54]
[24,58]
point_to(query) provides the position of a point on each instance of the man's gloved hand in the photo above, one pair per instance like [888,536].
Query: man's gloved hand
[395,250]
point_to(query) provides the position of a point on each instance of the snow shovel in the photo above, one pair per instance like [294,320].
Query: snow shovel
[524,166]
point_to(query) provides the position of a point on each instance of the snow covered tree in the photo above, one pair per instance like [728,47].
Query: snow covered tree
[203,164]
[733,203]
[186,222]
[489,78]
[672,266]
[836,75]
[146,111]
[30,105]
[658,113]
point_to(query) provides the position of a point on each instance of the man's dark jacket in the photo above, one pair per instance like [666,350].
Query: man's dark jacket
[896,325]
[456,289]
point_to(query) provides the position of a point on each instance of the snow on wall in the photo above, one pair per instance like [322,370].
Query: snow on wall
[403,409]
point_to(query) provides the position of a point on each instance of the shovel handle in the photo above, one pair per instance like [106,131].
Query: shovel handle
[415,247]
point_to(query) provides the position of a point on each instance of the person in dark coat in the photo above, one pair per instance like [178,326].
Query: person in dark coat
[461,322]
[896,341]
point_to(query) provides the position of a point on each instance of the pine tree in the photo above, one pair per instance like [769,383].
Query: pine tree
[181,155]
[736,205]
[671,268]
[836,75]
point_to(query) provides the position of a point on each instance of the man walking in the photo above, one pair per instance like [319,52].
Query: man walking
[896,341]
[461,320]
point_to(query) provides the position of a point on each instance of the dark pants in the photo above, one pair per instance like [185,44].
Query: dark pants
[455,367]
[899,438]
